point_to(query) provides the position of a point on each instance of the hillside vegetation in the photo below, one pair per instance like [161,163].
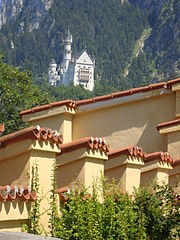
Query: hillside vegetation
[134,42]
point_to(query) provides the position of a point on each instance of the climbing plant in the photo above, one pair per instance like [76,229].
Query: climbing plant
[53,215]
[34,214]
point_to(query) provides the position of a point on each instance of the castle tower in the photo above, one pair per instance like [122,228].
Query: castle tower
[67,50]
[52,66]
[53,75]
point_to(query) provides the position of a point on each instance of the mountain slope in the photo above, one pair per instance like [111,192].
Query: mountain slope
[107,29]
[163,45]
[115,32]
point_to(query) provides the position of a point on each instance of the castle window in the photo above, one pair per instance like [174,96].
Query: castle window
[84,75]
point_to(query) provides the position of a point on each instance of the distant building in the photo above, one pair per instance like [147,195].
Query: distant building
[79,70]
[53,74]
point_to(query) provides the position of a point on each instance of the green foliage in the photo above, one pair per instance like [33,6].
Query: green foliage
[163,44]
[35,208]
[53,215]
[151,213]
[34,214]
[159,206]
[17,93]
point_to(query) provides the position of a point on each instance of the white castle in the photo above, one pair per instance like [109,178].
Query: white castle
[79,70]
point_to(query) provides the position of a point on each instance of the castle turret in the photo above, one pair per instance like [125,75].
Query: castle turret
[52,66]
[67,50]
[53,75]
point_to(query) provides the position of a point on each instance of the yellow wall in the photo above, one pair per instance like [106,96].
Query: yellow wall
[178,104]
[174,178]
[82,165]
[14,210]
[15,171]
[126,170]
[128,124]
[148,177]
[68,173]
[174,144]
[118,174]
[133,174]
[94,170]
[12,225]
[53,122]
[45,161]
[159,175]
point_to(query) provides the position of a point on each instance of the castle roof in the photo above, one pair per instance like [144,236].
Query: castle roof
[78,55]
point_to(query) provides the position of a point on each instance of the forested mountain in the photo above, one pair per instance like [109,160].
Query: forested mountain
[163,45]
[134,42]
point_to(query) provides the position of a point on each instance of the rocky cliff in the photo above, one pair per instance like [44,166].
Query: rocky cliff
[10,9]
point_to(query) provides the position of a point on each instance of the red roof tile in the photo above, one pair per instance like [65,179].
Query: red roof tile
[63,193]
[12,193]
[167,124]
[2,128]
[122,93]
[88,142]
[162,156]
[172,82]
[68,103]
[131,150]
[34,133]
[73,104]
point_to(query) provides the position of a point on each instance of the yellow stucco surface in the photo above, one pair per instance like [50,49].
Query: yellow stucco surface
[45,161]
[174,178]
[174,144]
[82,165]
[128,124]
[68,173]
[126,170]
[15,210]
[15,171]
